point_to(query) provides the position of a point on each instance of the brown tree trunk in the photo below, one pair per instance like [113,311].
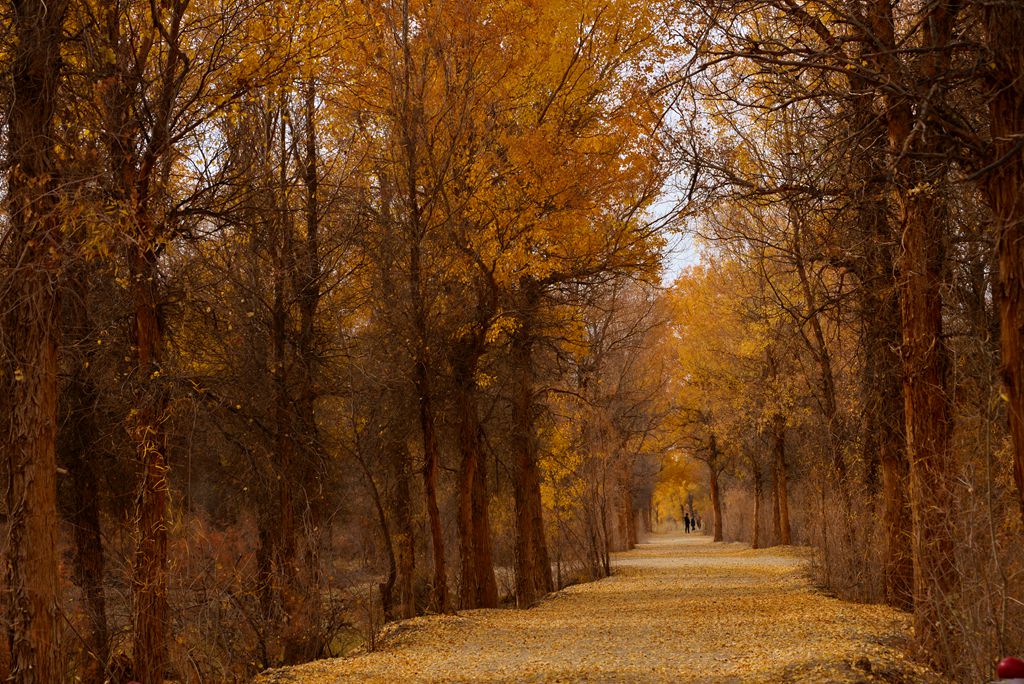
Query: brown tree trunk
[884,420]
[927,404]
[758,496]
[470,462]
[297,632]
[30,271]
[80,505]
[624,502]
[533,568]
[716,496]
[301,456]
[627,521]
[776,514]
[884,438]
[487,585]
[150,570]
[780,483]
[927,415]
[430,462]
[410,125]
[1004,35]
[404,538]
[776,511]
[479,589]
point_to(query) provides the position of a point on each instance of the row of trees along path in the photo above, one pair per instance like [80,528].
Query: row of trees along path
[299,298]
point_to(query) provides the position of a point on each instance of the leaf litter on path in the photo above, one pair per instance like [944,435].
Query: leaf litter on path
[677,609]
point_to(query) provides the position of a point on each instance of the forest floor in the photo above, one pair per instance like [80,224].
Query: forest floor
[676,609]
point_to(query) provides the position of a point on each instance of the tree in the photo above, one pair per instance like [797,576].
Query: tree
[32,251]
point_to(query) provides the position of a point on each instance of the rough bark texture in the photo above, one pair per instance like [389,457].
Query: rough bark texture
[411,124]
[77,442]
[150,610]
[884,438]
[405,542]
[1004,34]
[716,495]
[758,496]
[779,481]
[927,414]
[487,585]
[31,323]
[478,588]
[533,567]
[430,463]
[927,404]
[884,423]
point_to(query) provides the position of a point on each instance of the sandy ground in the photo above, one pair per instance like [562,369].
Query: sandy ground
[677,609]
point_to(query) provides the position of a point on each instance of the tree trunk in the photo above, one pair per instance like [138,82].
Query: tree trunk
[430,459]
[533,569]
[927,404]
[758,495]
[80,505]
[31,337]
[478,588]
[713,486]
[776,512]
[150,570]
[299,448]
[404,539]
[781,484]
[487,585]
[624,499]
[1004,35]
[927,415]
[884,420]
[884,438]
[470,462]
[410,125]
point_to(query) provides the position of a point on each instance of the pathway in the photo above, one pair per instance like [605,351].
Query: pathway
[677,609]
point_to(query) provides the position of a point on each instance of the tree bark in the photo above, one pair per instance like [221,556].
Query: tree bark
[716,496]
[776,512]
[884,437]
[487,585]
[150,570]
[478,588]
[80,505]
[411,113]
[430,462]
[927,404]
[404,538]
[31,267]
[533,567]
[758,495]
[1004,185]
[784,535]
[883,407]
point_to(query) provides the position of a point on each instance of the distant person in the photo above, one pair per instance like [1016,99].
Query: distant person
[686,522]
[698,524]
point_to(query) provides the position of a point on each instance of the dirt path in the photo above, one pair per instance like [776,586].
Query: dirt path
[677,609]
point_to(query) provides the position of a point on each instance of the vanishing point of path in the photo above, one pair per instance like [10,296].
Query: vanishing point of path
[677,609]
